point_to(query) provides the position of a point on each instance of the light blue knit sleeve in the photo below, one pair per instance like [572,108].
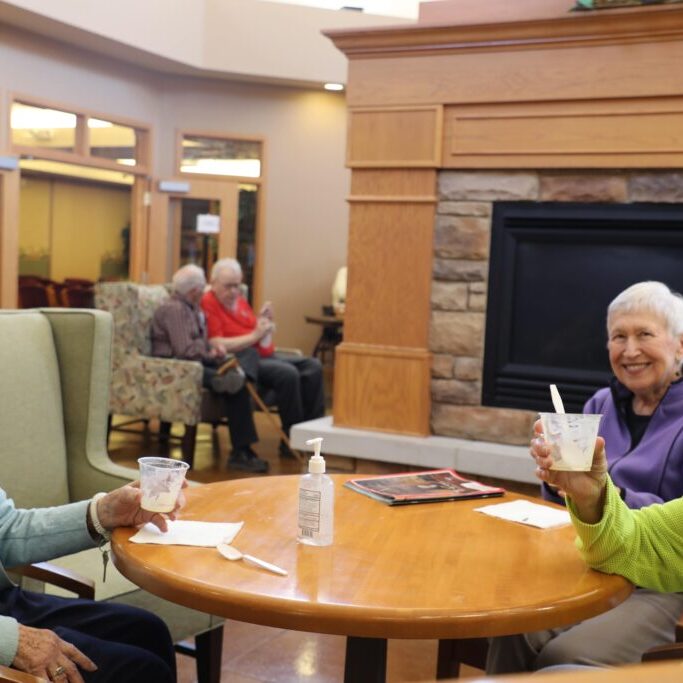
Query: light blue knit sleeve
[40,534]
[9,640]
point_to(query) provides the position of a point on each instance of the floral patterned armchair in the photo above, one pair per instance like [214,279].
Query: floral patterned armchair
[142,386]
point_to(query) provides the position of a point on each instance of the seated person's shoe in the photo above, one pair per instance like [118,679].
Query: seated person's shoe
[246,460]
[229,382]
[286,452]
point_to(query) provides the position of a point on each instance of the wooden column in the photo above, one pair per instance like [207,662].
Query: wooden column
[382,375]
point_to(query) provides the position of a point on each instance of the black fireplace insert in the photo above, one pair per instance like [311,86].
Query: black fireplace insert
[554,268]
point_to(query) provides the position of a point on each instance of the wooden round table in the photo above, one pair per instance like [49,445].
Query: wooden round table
[437,570]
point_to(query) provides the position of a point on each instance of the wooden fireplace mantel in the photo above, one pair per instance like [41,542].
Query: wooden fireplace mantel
[663,22]
[592,90]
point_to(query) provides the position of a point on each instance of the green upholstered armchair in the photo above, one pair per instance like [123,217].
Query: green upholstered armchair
[54,404]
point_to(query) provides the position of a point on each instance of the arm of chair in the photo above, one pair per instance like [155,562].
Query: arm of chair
[8,675]
[69,580]
[664,652]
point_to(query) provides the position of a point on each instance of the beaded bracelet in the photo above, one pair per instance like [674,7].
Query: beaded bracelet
[106,535]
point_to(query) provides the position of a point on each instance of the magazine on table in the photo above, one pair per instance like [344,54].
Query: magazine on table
[428,486]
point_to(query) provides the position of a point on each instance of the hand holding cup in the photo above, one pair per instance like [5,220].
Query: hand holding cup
[586,488]
[123,507]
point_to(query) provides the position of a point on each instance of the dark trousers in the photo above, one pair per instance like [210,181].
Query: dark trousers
[126,643]
[298,385]
[237,408]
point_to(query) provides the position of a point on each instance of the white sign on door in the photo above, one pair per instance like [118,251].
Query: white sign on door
[208,223]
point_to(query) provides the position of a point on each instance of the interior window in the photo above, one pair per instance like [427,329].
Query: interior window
[221,156]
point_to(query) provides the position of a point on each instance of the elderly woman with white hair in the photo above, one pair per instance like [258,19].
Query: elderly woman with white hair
[642,427]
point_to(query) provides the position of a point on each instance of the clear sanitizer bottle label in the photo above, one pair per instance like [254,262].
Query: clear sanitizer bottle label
[309,513]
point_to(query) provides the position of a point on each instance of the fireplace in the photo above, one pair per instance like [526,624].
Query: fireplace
[554,267]
[525,264]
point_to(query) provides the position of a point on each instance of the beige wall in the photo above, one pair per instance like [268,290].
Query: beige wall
[305,216]
[251,39]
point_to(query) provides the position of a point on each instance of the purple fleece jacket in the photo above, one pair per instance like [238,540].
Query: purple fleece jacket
[652,472]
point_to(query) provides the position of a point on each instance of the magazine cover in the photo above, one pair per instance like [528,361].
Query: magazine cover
[422,487]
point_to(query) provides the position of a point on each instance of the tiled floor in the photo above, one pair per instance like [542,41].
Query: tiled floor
[259,654]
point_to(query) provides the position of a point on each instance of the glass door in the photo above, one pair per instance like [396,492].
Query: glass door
[196,244]
[197,226]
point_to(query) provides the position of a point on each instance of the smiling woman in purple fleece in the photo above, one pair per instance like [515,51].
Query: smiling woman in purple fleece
[642,426]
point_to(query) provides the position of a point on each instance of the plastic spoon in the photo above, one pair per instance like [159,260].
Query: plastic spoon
[557,401]
[231,553]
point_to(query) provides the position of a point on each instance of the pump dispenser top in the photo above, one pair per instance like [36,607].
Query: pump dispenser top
[316,465]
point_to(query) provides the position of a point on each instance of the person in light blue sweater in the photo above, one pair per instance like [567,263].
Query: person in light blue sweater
[73,640]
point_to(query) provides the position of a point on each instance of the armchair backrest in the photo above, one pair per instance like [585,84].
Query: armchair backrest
[150,297]
[54,390]
[32,441]
[132,307]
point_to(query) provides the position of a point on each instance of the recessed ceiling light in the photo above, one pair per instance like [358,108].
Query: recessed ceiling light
[334,86]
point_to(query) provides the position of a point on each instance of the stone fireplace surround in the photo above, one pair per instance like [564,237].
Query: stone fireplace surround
[466,435]
[460,271]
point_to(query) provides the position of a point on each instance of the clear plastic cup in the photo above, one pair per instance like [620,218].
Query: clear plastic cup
[160,481]
[572,439]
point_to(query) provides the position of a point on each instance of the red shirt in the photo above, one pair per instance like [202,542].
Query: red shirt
[223,322]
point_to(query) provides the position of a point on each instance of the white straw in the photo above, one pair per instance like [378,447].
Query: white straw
[557,401]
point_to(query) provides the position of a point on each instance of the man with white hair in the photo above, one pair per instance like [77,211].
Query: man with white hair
[179,331]
[297,381]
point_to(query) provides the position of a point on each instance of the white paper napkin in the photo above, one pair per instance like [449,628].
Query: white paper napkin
[204,534]
[526,512]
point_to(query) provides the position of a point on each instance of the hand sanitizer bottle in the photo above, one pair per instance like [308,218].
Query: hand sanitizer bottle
[316,501]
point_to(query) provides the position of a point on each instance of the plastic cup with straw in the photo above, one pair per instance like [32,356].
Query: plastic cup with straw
[571,436]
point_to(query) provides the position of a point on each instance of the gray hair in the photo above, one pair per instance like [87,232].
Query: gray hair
[225,264]
[652,297]
[187,278]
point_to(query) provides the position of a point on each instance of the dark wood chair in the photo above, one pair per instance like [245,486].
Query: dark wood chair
[33,295]
[78,282]
[76,296]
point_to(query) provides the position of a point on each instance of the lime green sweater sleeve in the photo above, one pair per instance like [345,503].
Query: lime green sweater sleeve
[645,545]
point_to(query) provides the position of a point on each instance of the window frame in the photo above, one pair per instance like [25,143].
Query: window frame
[183,133]
[81,153]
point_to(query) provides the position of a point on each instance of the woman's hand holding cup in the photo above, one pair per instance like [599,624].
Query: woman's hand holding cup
[586,489]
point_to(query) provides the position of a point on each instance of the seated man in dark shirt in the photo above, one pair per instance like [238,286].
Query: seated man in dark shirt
[179,331]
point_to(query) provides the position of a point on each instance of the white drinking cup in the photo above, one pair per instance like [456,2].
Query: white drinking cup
[571,437]
[160,482]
